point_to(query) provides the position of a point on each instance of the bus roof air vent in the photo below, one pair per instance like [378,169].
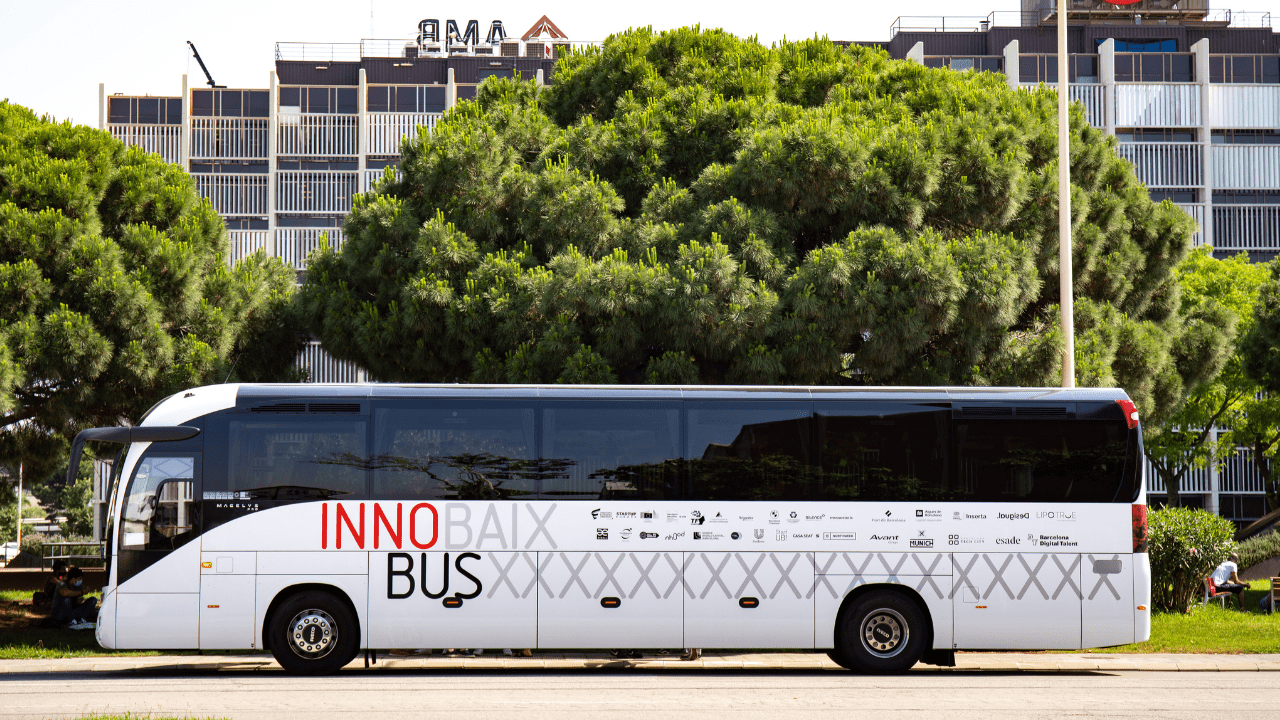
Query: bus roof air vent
[1042,411]
[286,407]
[349,408]
[985,411]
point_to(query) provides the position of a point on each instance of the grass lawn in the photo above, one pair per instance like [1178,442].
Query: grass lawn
[1210,629]
[18,640]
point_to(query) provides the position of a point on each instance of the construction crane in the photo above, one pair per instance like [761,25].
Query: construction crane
[202,67]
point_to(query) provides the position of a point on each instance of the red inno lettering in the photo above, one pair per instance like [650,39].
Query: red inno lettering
[343,517]
[324,526]
[413,525]
[378,515]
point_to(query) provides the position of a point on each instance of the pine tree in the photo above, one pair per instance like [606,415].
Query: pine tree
[114,290]
[689,206]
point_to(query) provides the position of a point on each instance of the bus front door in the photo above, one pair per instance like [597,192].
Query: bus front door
[157,563]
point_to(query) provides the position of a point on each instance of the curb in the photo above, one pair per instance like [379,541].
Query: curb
[965,662]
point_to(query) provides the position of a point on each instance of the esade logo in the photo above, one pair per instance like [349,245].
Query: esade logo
[1009,541]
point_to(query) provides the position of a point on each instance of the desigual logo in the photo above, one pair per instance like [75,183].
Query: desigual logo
[1013,516]
[1009,541]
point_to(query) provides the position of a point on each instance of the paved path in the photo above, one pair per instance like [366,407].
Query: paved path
[647,694]
[1005,662]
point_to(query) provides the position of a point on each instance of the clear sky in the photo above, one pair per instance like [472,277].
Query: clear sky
[53,53]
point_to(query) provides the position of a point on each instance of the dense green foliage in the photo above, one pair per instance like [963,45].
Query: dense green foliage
[1231,398]
[114,290]
[691,207]
[1184,546]
[1259,548]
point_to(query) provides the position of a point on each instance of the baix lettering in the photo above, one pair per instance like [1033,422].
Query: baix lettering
[400,567]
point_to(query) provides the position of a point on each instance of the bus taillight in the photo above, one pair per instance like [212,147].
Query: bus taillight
[1130,412]
[1139,528]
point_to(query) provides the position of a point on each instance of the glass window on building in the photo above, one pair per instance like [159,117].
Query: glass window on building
[1154,67]
[1130,135]
[1245,137]
[1180,196]
[1164,45]
[144,111]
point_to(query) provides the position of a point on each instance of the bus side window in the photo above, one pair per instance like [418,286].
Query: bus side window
[1074,460]
[160,510]
[749,450]
[610,450]
[296,458]
[453,449]
[882,451]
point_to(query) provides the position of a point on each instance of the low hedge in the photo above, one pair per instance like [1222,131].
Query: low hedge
[1259,548]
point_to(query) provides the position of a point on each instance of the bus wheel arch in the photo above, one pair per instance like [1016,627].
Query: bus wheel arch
[898,607]
[333,604]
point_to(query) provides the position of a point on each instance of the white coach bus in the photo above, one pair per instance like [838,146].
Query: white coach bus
[886,526]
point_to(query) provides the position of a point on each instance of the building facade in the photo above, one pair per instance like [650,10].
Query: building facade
[281,163]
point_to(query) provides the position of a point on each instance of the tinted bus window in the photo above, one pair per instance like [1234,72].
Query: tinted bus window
[462,450]
[610,450]
[749,450]
[882,451]
[303,457]
[1041,460]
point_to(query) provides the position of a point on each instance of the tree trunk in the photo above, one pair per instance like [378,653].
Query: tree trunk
[1265,468]
[1172,484]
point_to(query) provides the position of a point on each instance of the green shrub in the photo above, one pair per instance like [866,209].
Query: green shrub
[1259,548]
[1185,545]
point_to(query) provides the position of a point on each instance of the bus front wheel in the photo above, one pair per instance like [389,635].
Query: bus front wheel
[881,633]
[314,633]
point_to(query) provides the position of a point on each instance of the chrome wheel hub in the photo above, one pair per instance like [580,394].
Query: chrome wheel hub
[884,633]
[312,634]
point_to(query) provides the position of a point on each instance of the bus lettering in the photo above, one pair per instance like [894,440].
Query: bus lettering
[378,515]
[451,522]
[407,573]
[491,519]
[413,526]
[341,518]
[393,573]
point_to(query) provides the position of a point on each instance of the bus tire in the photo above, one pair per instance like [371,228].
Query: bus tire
[881,633]
[314,633]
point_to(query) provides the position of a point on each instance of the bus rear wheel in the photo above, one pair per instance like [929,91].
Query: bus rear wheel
[314,633]
[881,633]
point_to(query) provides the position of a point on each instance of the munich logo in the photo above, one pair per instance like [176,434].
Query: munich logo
[922,542]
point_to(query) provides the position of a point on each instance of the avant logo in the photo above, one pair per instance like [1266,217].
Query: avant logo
[884,537]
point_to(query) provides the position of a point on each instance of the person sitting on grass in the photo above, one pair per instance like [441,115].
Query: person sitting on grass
[44,598]
[70,608]
[1226,579]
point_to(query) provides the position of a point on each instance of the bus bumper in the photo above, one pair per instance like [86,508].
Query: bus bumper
[105,633]
[1141,597]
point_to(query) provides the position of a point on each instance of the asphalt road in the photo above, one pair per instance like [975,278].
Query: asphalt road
[651,695]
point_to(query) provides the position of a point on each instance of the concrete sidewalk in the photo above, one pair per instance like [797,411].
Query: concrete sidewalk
[991,662]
